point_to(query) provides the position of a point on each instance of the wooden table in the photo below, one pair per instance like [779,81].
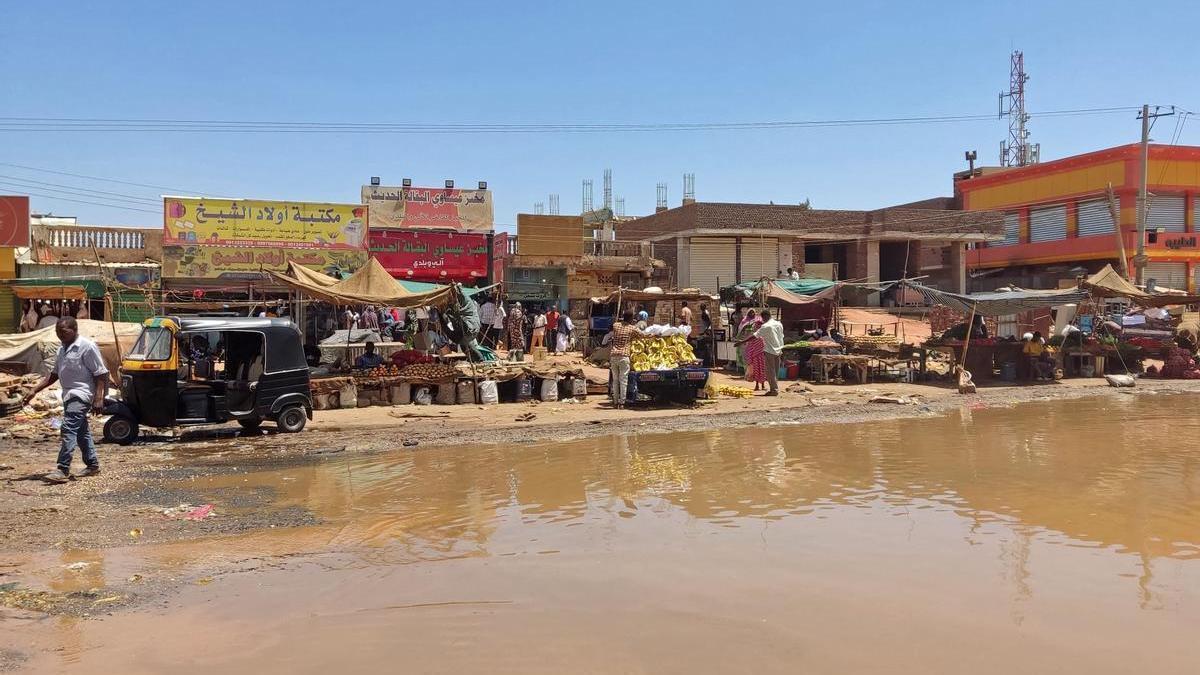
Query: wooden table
[823,365]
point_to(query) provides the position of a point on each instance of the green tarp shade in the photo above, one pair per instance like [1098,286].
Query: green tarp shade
[799,287]
[425,287]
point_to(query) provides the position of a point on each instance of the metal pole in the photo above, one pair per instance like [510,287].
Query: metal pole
[1115,210]
[1139,260]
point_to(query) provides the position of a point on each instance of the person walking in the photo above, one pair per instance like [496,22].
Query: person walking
[623,334]
[80,369]
[685,315]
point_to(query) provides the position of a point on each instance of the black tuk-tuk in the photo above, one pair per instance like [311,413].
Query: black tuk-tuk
[171,376]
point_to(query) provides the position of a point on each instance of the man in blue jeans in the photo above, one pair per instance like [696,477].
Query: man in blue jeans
[80,369]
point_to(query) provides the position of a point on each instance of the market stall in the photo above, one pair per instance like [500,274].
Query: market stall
[976,352]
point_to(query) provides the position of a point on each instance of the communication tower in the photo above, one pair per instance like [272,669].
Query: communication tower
[1017,150]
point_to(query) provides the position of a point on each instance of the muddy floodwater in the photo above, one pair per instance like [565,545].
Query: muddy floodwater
[1050,537]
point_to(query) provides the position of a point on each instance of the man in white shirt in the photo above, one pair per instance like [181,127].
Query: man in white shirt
[498,322]
[80,370]
[793,274]
[771,333]
[487,314]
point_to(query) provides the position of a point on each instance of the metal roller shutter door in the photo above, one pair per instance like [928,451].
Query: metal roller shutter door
[1167,274]
[712,258]
[1012,231]
[1048,224]
[760,258]
[9,311]
[1095,218]
[1166,212]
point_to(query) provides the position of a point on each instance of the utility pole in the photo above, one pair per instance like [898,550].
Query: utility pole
[1115,212]
[1143,205]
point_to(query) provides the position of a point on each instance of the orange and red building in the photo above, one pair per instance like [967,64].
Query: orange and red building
[1058,221]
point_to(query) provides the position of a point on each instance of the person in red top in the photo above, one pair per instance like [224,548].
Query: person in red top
[552,326]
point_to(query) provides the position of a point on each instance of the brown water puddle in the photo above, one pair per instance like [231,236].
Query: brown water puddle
[1051,537]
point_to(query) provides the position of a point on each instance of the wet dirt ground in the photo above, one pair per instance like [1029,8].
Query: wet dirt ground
[961,534]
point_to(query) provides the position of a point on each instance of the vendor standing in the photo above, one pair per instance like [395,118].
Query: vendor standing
[623,334]
[80,369]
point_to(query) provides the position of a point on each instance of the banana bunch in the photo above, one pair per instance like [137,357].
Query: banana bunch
[734,392]
[660,353]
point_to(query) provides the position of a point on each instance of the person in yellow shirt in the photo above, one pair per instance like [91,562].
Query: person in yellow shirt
[1041,363]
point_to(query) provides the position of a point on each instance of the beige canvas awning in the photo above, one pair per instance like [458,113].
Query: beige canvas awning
[370,285]
[1108,283]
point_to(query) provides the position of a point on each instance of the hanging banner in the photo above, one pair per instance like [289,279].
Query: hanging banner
[431,256]
[435,208]
[229,262]
[14,221]
[242,222]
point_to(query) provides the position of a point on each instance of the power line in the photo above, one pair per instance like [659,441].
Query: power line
[277,126]
[73,189]
[82,201]
[106,180]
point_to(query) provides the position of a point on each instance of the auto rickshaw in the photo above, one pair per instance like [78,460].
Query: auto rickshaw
[195,370]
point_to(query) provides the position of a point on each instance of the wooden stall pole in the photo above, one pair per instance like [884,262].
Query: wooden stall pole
[965,383]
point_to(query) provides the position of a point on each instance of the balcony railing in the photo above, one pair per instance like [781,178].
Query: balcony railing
[104,237]
[615,249]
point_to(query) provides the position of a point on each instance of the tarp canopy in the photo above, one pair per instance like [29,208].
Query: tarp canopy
[63,292]
[794,286]
[370,285]
[1108,283]
[426,287]
[633,295]
[57,289]
[999,303]
[786,291]
[38,348]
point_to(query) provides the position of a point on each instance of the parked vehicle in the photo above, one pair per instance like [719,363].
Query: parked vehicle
[210,370]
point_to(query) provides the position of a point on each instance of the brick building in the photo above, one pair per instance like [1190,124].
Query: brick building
[708,242]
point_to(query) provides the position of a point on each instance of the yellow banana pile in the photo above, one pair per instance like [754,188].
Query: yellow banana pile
[734,392]
[660,353]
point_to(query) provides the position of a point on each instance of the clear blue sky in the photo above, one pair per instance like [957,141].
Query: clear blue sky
[547,62]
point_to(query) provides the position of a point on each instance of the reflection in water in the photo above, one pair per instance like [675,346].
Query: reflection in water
[1115,473]
[1030,539]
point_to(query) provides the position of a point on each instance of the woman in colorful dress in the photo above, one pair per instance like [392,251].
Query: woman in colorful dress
[756,362]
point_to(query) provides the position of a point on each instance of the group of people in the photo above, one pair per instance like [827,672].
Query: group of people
[39,314]
[759,341]
[518,328]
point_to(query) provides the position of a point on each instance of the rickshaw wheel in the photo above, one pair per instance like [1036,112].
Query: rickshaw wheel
[292,419]
[120,430]
[250,424]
